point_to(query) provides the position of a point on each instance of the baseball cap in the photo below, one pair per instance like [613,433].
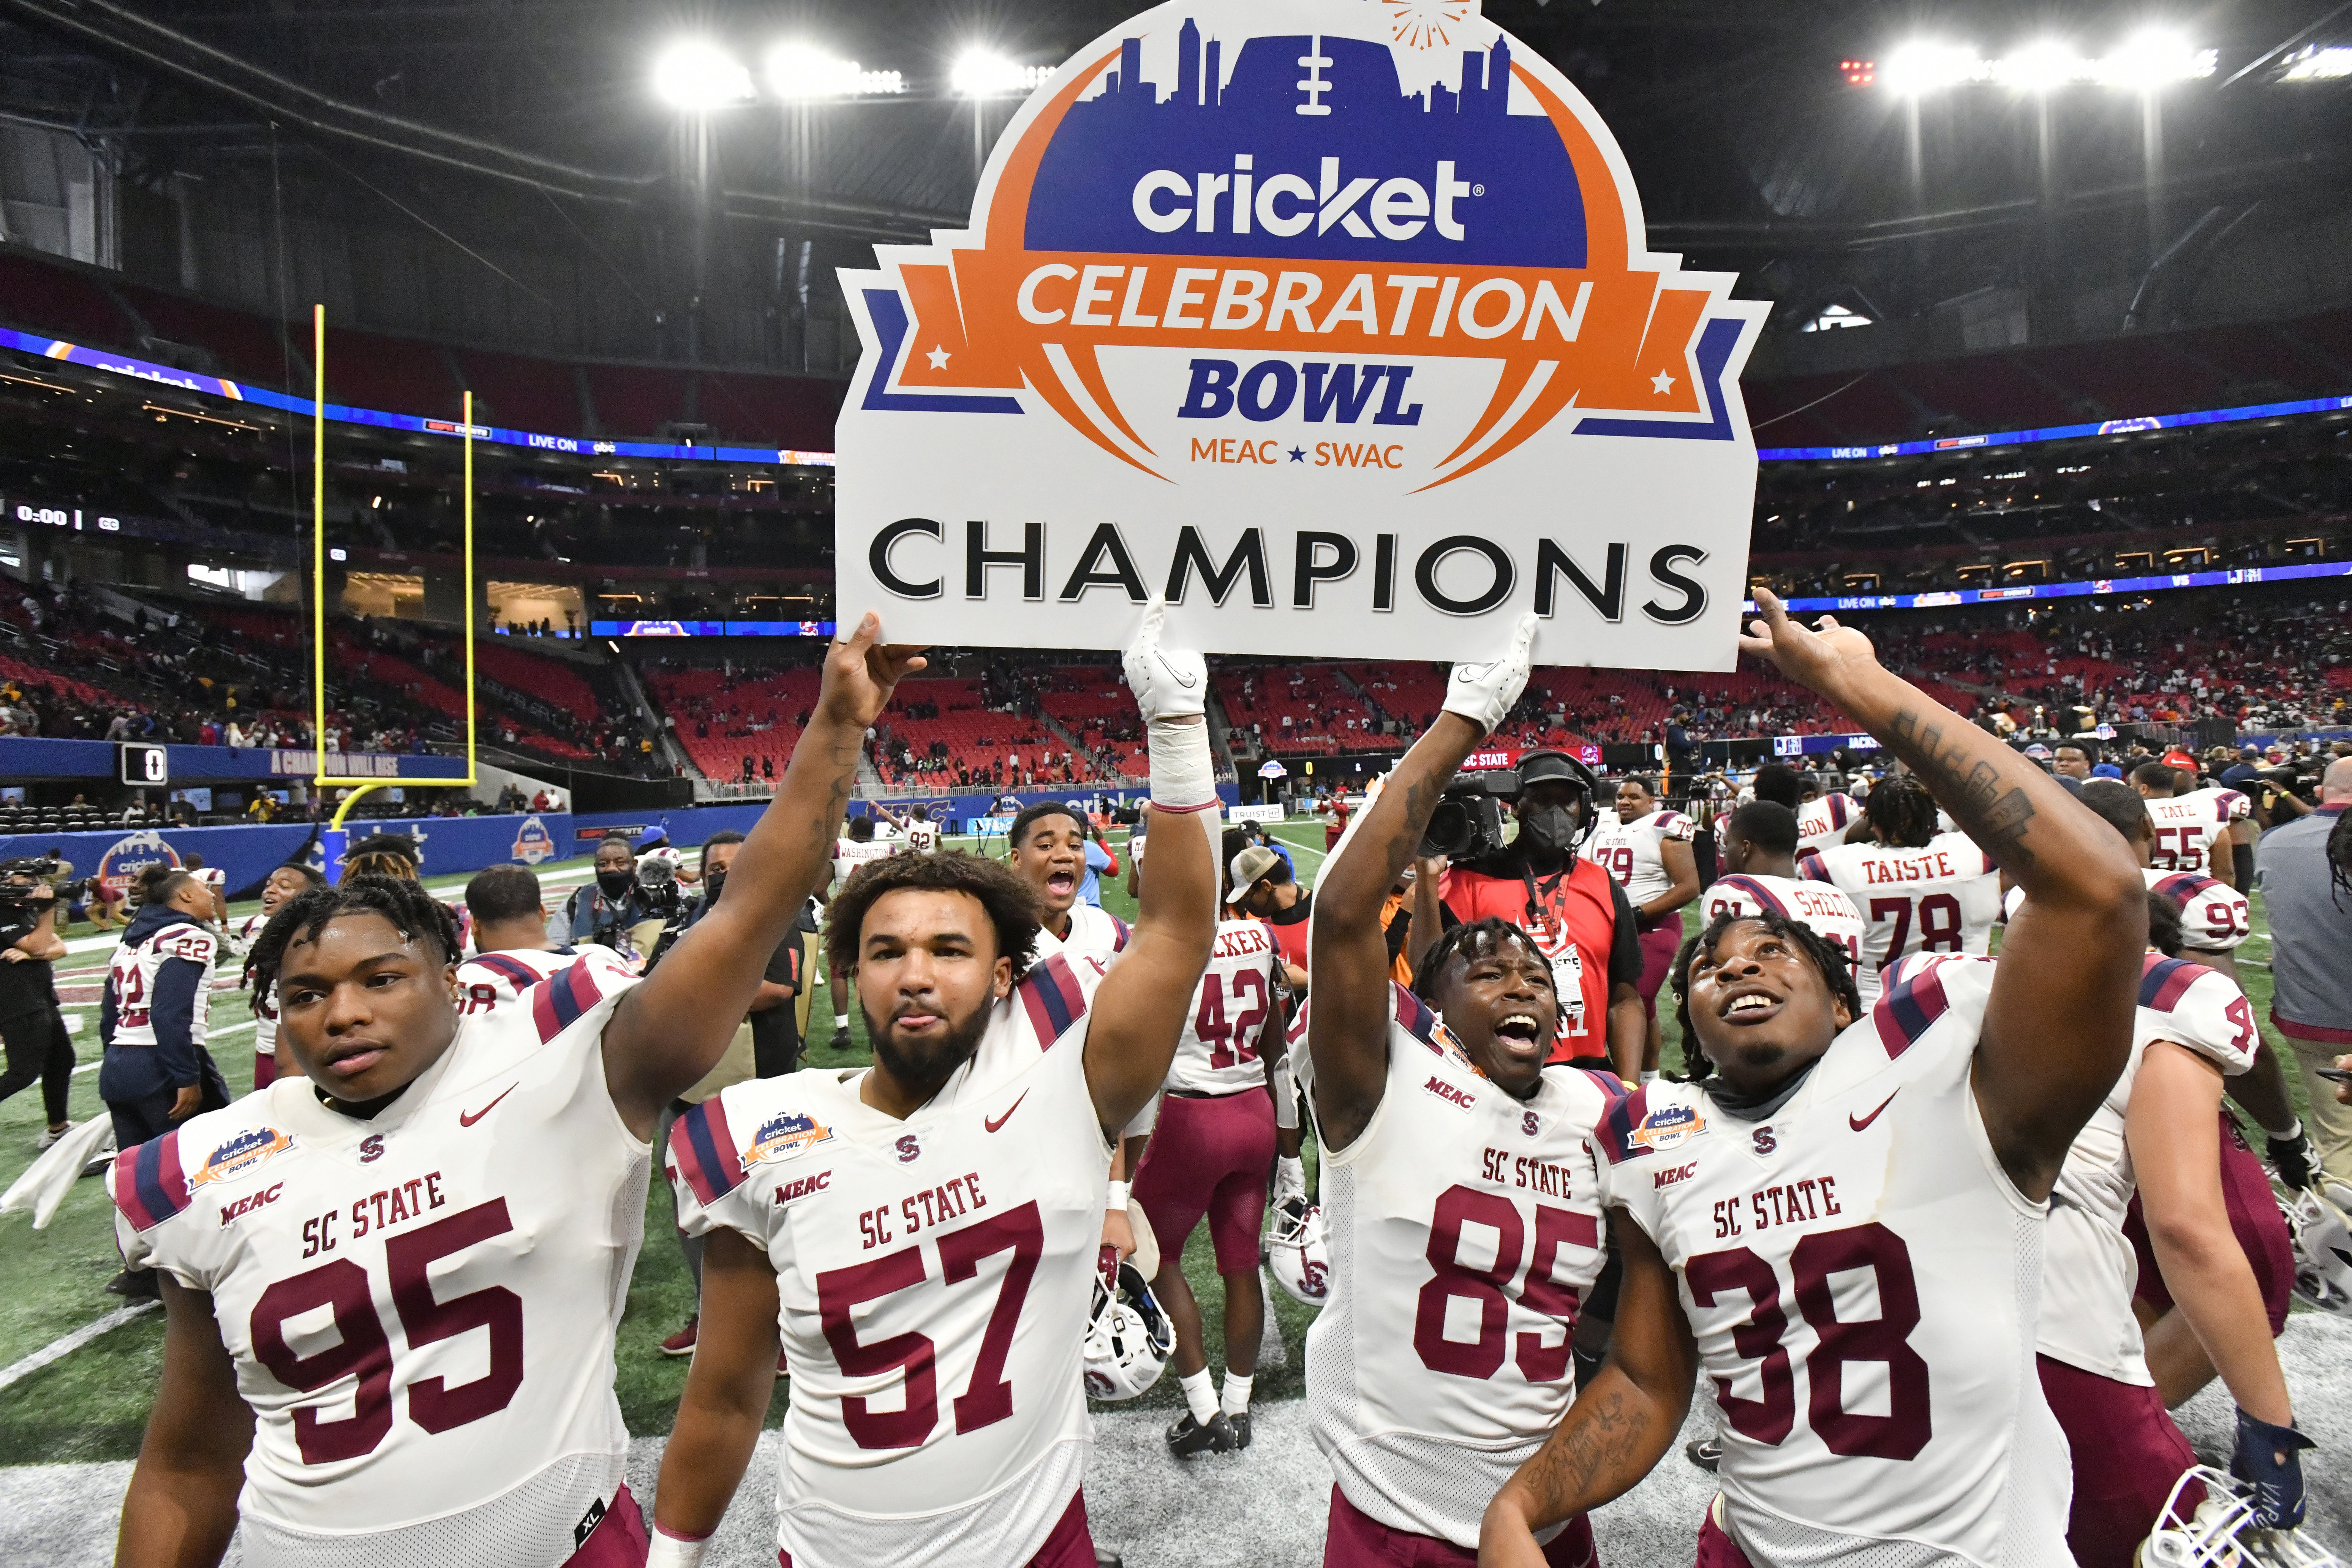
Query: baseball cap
[1249,866]
[2177,758]
[1536,766]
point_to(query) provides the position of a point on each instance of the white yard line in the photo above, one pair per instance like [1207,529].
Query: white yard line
[210,1035]
[57,1350]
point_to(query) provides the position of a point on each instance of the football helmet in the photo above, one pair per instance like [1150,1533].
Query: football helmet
[1129,1337]
[1298,1252]
[2223,1532]
[2323,1245]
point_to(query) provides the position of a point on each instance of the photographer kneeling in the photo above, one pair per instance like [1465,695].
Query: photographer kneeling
[31,1028]
[1573,908]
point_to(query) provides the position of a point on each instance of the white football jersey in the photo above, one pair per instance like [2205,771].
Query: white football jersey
[2214,916]
[2187,825]
[133,972]
[1094,932]
[420,1306]
[501,981]
[848,854]
[2089,1271]
[1862,1279]
[1233,1005]
[241,938]
[933,1281]
[1822,908]
[1942,899]
[1634,852]
[1466,1229]
[1823,821]
[242,934]
[923,836]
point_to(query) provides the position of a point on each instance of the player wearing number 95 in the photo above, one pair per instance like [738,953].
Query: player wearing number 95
[921,1237]
[393,1282]
[1459,1181]
[1842,1221]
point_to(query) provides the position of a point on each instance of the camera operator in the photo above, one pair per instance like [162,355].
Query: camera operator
[1577,912]
[32,1028]
[615,911]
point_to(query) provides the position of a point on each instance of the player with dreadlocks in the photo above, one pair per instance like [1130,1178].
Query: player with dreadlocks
[392,1284]
[1921,890]
[1438,1366]
[1853,1205]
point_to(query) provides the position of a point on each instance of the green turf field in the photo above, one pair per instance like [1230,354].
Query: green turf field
[91,1403]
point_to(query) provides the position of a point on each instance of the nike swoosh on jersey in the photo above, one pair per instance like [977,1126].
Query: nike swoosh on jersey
[466,1120]
[993,1124]
[1865,1122]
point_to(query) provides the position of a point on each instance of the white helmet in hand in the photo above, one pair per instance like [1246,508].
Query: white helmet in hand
[1298,1252]
[1129,1337]
[2323,1246]
[2222,1531]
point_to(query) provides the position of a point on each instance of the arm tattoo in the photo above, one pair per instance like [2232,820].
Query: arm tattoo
[1971,791]
[1591,1453]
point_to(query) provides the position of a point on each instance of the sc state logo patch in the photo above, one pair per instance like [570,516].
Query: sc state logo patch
[785,1137]
[1667,1126]
[242,1154]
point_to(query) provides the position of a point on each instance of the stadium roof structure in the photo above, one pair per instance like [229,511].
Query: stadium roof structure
[1762,135]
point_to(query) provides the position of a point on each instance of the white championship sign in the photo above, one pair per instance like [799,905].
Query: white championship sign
[1330,321]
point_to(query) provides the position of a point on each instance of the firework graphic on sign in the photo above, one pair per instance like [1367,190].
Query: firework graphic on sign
[1426,23]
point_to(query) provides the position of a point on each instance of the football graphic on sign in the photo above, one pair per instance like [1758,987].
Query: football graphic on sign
[1274,308]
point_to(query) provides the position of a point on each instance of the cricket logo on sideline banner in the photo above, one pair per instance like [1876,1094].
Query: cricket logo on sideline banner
[131,859]
[1287,305]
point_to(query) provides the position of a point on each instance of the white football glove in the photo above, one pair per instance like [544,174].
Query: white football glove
[1289,1180]
[1168,683]
[1482,693]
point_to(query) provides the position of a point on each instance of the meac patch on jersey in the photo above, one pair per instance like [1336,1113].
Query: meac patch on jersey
[933,1284]
[1860,1276]
[421,1305]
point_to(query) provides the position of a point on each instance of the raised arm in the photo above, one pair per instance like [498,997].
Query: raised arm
[1619,1428]
[1348,954]
[670,1031]
[2073,951]
[1140,1007]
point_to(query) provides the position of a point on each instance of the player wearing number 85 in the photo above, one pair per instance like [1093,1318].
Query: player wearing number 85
[1458,1179]
[920,1237]
[1843,1221]
[396,1278]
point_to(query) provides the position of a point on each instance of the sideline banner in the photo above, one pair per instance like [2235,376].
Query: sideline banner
[1333,322]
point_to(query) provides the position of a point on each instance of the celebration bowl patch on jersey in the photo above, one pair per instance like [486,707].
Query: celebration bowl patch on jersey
[1667,1126]
[785,1137]
[243,1153]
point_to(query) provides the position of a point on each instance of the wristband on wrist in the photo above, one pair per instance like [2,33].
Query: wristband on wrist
[2293,1130]
[1116,1200]
[1183,776]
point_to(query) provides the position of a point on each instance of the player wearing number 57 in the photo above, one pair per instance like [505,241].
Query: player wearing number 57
[1917,1143]
[392,1283]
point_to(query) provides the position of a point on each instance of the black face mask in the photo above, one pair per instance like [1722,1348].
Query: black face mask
[615,884]
[717,882]
[1548,829]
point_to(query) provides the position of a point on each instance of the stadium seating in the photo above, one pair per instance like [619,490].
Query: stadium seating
[635,401]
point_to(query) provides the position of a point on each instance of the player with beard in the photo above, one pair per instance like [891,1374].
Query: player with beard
[1049,853]
[391,1285]
[1436,1368]
[921,1237]
[1843,1221]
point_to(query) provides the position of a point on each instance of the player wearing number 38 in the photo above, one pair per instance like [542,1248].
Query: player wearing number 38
[393,1283]
[1842,1223]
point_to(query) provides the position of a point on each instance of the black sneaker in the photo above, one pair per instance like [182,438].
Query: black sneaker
[840,1041]
[137,1285]
[1189,1437]
[1706,1453]
[1239,1424]
[1106,1558]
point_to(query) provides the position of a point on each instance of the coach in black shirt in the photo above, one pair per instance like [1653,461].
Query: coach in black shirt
[31,1028]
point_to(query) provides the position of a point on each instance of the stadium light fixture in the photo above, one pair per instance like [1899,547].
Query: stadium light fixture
[2312,63]
[979,73]
[2145,62]
[798,71]
[698,76]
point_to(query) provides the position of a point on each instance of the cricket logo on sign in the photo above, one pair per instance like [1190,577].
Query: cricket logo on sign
[1288,305]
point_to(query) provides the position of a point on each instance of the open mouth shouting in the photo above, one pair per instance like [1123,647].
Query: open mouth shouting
[1522,1034]
[1061,885]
